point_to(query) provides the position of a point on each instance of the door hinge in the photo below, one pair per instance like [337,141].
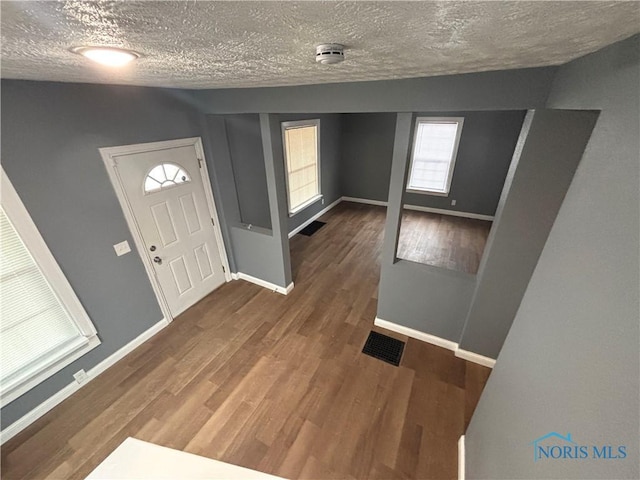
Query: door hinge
[224,270]
[200,162]
[213,223]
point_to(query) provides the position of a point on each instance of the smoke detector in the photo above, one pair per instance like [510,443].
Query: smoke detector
[329,53]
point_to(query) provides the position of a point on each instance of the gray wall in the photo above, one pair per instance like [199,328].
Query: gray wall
[422,297]
[330,163]
[484,155]
[274,166]
[247,160]
[367,146]
[50,139]
[500,90]
[548,153]
[570,361]
[255,251]
[218,156]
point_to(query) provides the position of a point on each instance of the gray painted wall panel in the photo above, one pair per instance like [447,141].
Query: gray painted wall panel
[214,140]
[367,148]
[247,159]
[258,254]
[274,167]
[50,139]
[570,361]
[425,298]
[501,90]
[257,251]
[550,149]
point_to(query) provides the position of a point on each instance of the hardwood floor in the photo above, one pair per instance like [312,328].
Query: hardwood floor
[274,383]
[443,241]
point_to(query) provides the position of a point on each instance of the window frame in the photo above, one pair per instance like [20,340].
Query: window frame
[300,124]
[51,271]
[454,156]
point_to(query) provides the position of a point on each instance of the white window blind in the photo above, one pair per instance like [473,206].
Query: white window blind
[302,162]
[434,153]
[39,333]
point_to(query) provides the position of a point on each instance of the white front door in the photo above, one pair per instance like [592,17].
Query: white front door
[166,194]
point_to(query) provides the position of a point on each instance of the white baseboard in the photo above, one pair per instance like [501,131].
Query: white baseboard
[263,283]
[433,340]
[475,358]
[315,217]
[461,458]
[418,335]
[419,208]
[19,425]
[364,200]
[453,213]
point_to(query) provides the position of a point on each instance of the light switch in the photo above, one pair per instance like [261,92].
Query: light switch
[122,248]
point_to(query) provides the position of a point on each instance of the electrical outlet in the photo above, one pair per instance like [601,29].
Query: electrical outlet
[453,202]
[81,376]
[323,201]
[122,248]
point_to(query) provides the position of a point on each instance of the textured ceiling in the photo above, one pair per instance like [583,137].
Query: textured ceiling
[198,44]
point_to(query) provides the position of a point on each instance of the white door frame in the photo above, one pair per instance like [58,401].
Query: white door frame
[109,155]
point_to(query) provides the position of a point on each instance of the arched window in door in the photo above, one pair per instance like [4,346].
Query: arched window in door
[165,175]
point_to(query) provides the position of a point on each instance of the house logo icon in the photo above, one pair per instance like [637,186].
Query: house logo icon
[540,450]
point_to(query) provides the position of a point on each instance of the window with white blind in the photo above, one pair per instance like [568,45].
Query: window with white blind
[435,146]
[301,142]
[43,326]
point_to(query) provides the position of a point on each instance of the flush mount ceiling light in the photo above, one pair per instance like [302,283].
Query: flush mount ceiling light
[329,53]
[107,56]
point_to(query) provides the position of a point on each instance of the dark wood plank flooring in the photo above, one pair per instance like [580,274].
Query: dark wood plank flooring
[454,243]
[274,383]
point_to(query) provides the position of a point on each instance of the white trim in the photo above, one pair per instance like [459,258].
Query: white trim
[109,155]
[208,191]
[459,121]
[419,208]
[427,192]
[22,423]
[30,235]
[28,232]
[263,283]
[418,335]
[50,368]
[304,205]
[315,217]
[453,213]
[438,341]
[284,126]
[475,358]
[364,200]
[461,458]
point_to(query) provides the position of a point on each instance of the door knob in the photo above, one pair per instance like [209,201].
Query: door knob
[158,260]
